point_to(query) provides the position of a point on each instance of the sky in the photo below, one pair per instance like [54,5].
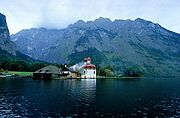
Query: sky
[25,14]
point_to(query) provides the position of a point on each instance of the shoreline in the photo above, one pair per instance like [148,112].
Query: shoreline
[98,78]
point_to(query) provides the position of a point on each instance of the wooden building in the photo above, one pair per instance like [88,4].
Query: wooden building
[47,72]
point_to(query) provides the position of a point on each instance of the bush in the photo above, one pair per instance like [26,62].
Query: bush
[135,71]
[105,71]
[1,70]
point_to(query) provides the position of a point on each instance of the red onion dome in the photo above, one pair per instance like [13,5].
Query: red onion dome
[89,66]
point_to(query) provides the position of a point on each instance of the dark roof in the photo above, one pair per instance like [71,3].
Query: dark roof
[48,69]
[68,69]
[64,68]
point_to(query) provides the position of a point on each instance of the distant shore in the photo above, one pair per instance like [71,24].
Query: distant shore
[23,74]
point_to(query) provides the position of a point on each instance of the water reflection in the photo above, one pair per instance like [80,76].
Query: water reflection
[90,98]
[83,94]
[87,91]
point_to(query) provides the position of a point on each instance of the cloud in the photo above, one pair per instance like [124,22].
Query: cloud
[23,14]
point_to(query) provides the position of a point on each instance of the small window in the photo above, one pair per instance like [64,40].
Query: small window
[84,72]
[94,72]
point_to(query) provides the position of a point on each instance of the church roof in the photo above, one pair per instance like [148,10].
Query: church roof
[89,66]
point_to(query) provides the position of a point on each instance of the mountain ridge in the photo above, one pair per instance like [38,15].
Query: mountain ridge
[119,43]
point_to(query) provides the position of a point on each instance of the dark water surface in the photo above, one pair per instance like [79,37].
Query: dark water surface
[148,97]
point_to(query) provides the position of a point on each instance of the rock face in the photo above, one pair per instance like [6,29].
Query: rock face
[8,50]
[120,44]
[5,43]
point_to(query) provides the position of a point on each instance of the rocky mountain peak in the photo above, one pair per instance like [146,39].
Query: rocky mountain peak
[79,23]
[146,23]
[102,20]
[2,20]
[140,20]
[5,42]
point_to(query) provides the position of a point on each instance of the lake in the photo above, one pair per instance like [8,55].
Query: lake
[145,97]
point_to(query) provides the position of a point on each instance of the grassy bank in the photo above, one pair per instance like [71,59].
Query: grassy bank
[20,73]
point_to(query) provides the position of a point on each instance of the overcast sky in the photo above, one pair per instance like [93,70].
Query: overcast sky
[24,14]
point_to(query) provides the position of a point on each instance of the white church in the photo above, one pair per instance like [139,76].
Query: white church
[88,70]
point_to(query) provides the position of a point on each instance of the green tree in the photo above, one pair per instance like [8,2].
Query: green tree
[135,71]
[105,71]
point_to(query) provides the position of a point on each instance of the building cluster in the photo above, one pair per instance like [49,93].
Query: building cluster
[86,70]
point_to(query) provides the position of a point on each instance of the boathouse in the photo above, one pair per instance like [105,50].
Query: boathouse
[88,70]
[47,72]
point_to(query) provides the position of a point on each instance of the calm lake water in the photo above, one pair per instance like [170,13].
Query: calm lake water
[148,97]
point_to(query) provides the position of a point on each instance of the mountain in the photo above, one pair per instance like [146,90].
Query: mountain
[10,58]
[5,43]
[121,44]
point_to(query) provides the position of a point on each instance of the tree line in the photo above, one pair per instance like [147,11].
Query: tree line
[107,71]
